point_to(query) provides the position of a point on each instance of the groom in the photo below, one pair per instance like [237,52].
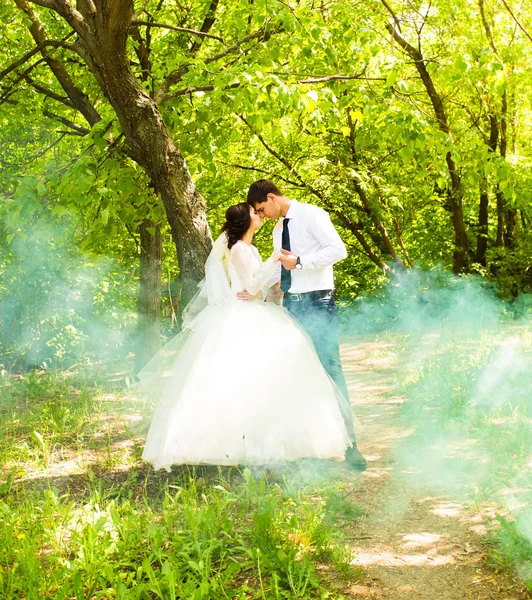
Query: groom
[310,246]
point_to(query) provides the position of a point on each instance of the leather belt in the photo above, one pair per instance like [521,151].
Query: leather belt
[316,295]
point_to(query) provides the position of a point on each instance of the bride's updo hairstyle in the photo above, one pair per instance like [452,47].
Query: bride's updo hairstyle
[237,222]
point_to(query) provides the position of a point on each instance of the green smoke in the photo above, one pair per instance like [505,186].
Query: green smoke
[464,369]
[59,305]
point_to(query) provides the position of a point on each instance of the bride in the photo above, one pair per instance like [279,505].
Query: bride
[242,383]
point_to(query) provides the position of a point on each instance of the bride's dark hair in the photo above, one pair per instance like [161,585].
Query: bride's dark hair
[237,222]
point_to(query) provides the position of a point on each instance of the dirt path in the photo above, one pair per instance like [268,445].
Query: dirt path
[416,543]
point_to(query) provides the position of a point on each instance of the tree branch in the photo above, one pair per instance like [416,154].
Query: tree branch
[43,152]
[461,247]
[487,27]
[72,16]
[74,126]
[47,43]
[210,87]
[353,227]
[201,34]
[49,93]
[264,171]
[516,21]
[359,189]
[141,10]
[142,52]
[355,230]
[394,16]
[79,99]
[262,35]
[208,22]
[421,67]
[176,75]
[199,88]
[282,160]
[53,4]
[87,9]
[325,78]
[137,242]
[399,238]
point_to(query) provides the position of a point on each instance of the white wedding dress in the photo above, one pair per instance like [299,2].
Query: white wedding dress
[242,384]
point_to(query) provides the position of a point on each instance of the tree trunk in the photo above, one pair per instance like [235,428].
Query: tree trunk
[102,28]
[154,149]
[501,202]
[460,233]
[511,226]
[511,214]
[147,337]
[460,253]
[499,240]
[482,236]
[382,240]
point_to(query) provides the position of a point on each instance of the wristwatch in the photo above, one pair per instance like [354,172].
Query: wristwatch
[298,263]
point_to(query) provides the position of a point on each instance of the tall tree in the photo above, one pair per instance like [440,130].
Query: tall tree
[461,244]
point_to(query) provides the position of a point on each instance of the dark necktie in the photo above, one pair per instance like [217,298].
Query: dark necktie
[286,276]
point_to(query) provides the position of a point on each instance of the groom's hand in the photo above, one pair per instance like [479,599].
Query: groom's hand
[288,260]
[275,294]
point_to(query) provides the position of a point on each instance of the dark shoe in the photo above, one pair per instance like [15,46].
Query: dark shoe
[355,460]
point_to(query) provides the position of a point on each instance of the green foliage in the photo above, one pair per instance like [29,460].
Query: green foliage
[320,103]
[510,548]
[366,145]
[196,544]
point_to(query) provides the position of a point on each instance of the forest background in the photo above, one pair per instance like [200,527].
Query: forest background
[126,131]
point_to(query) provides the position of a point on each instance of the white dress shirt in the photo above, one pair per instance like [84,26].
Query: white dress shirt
[315,240]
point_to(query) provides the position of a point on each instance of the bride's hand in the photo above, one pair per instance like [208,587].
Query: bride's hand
[247,297]
[276,256]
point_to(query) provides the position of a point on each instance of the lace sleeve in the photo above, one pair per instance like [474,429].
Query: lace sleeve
[254,277]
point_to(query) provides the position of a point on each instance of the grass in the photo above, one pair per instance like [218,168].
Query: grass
[511,549]
[82,517]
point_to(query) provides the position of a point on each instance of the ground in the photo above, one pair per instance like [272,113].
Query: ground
[414,543]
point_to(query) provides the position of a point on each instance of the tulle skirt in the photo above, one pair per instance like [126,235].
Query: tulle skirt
[243,386]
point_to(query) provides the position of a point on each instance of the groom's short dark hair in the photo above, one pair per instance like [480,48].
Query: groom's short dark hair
[260,189]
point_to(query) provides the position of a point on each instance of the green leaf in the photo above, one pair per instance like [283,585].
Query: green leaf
[460,64]
[392,77]
[316,34]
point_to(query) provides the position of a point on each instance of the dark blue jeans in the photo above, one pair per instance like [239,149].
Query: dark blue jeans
[316,313]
